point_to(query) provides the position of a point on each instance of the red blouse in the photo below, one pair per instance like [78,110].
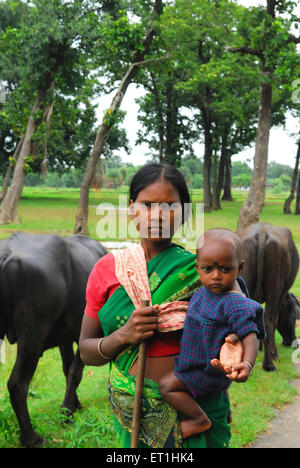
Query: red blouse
[102,283]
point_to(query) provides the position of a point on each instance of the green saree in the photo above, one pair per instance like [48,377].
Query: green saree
[172,277]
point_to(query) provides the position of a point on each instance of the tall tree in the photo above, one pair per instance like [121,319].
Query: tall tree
[50,45]
[297,207]
[289,200]
[141,55]
[218,89]
[266,35]
[168,132]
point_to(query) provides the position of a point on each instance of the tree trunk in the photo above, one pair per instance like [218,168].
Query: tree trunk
[9,171]
[172,137]
[227,195]
[9,211]
[207,162]
[47,117]
[215,203]
[81,224]
[251,209]
[288,201]
[161,126]
[297,209]
[98,178]
[206,179]
[221,171]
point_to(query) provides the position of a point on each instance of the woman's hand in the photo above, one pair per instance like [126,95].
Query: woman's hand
[241,372]
[140,326]
[231,355]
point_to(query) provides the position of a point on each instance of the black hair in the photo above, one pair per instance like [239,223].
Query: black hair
[152,172]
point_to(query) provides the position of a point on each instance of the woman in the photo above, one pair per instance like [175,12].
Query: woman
[110,315]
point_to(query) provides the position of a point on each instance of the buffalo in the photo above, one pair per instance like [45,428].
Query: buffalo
[289,313]
[271,266]
[42,295]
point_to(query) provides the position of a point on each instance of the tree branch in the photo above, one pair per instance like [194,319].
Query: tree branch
[158,59]
[244,50]
[157,9]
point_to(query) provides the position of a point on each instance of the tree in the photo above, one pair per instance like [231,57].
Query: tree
[51,46]
[9,212]
[241,180]
[297,208]
[281,184]
[112,115]
[275,170]
[166,129]
[239,167]
[288,201]
[266,36]
[221,101]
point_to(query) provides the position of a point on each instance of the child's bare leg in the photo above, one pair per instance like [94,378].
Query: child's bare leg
[177,394]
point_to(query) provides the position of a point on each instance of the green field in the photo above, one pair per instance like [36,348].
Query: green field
[53,211]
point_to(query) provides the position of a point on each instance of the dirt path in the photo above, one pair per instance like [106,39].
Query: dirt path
[284,430]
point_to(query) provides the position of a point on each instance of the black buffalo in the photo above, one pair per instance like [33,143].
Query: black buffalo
[42,296]
[271,266]
[289,313]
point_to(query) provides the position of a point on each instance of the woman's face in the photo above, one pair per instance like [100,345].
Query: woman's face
[157,211]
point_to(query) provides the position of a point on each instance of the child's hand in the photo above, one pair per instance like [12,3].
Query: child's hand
[230,357]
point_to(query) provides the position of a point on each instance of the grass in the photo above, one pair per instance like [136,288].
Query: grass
[53,211]
[91,426]
[253,404]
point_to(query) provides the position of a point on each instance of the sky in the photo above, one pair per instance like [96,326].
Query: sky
[282,145]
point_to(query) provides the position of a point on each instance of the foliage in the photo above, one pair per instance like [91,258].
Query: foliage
[117,173]
[217,86]
[281,184]
[52,40]
[195,90]
[241,181]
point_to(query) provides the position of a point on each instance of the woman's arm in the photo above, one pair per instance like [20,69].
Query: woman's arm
[90,335]
[140,326]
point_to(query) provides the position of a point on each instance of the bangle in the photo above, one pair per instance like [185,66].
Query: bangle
[99,350]
[250,365]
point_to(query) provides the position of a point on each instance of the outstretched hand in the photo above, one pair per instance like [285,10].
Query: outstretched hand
[230,359]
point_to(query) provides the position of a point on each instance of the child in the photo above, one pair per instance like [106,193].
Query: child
[219,308]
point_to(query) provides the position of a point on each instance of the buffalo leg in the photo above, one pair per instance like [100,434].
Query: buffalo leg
[72,367]
[18,383]
[269,343]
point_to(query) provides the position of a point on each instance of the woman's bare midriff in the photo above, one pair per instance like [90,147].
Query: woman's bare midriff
[156,367]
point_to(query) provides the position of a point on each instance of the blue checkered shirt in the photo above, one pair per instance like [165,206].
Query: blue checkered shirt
[209,319]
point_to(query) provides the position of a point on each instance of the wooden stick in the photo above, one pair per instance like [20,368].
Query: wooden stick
[136,417]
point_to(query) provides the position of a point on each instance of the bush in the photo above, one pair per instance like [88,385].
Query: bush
[281,184]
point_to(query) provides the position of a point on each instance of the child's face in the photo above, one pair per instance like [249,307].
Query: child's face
[218,266]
